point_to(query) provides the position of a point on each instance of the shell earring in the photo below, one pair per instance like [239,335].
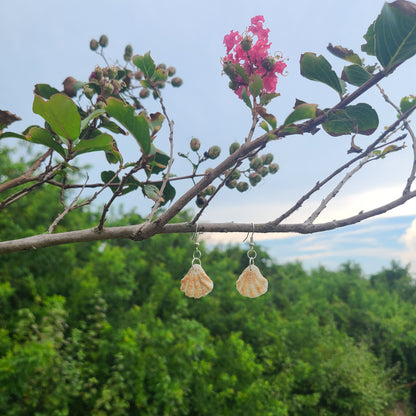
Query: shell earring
[196,282]
[251,282]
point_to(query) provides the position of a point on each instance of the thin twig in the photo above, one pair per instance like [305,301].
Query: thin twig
[335,191]
[72,206]
[26,176]
[165,179]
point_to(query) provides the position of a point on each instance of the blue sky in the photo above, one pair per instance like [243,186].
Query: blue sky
[46,41]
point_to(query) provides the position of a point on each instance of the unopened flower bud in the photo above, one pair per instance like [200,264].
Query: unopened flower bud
[98,73]
[94,44]
[209,190]
[200,201]
[88,92]
[171,71]
[235,174]
[144,93]
[112,72]
[103,41]
[254,178]
[117,85]
[231,183]
[234,147]
[138,75]
[176,82]
[263,171]
[128,50]
[242,186]
[213,152]
[273,168]
[69,86]
[256,163]
[162,66]
[246,43]
[195,144]
[268,63]
[229,69]
[267,158]
[108,89]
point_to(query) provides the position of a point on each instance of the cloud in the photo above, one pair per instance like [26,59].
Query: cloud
[408,256]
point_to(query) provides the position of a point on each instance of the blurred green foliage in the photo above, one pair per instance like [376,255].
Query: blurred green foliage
[103,329]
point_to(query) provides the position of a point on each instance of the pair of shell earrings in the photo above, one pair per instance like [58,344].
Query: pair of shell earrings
[197,283]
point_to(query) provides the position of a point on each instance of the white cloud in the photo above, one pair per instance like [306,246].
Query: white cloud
[409,239]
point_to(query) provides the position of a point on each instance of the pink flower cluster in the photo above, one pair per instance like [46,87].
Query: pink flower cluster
[253,57]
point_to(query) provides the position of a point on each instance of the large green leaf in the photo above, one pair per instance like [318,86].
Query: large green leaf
[101,142]
[43,136]
[392,37]
[145,63]
[136,124]
[360,118]
[303,111]
[61,114]
[355,75]
[317,68]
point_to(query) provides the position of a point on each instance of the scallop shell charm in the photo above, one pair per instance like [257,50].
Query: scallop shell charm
[251,283]
[196,282]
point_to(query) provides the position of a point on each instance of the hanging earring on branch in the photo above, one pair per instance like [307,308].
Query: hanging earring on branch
[196,282]
[251,283]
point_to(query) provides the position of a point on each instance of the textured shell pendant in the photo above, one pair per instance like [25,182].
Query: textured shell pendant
[251,283]
[196,282]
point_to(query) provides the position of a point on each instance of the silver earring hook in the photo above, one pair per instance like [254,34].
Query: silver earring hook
[196,258]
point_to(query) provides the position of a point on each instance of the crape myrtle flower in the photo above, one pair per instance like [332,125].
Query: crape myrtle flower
[251,51]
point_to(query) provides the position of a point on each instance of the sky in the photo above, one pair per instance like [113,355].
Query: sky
[48,40]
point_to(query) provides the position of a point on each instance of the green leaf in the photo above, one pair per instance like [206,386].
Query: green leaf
[355,75]
[45,90]
[151,191]
[267,98]
[101,142]
[169,192]
[136,124]
[145,63]
[158,163]
[369,47]
[392,37]
[94,114]
[242,72]
[406,103]
[302,111]
[256,85]
[345,53]
[246,98]
[317,68]
[360,118]
[61,113]
[159,75]
[43,136]
[264,126]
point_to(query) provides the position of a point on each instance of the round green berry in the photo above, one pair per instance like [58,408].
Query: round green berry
[234,147]
[242,186]
[273,168]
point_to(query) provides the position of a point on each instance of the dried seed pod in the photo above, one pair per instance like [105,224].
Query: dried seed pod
[196,282]
[251,283]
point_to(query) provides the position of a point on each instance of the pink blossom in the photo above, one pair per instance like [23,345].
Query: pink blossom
[252,60]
